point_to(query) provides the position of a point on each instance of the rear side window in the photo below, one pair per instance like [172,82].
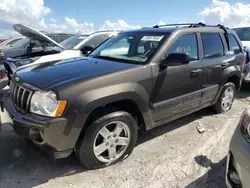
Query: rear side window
[233,44]
[212,45]
[185,44]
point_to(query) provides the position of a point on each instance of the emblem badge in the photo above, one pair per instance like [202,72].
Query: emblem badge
[17,79]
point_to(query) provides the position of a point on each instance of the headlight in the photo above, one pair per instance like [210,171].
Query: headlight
[46,104]
[245,124]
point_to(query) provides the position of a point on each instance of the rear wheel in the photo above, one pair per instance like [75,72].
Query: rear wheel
[226,98]
[109,139]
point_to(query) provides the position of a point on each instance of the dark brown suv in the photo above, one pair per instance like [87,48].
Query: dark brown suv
[138,79]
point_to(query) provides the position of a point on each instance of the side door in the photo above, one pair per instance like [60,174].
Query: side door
[177,88]
[213,61]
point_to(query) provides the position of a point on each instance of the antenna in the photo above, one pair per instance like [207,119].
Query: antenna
[77,20]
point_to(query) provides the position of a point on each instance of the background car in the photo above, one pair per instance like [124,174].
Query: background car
[58,37]
[33,42]
[73,47]
[10,41]
[238,171]
[244,35]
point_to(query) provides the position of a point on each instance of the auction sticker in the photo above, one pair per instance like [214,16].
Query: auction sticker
[152,38]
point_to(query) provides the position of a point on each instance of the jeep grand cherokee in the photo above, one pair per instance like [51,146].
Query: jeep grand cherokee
[138,79]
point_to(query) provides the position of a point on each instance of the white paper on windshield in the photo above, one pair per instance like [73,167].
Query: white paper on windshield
[152,38]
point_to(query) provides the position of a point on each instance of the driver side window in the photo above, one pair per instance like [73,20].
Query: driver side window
[186,44]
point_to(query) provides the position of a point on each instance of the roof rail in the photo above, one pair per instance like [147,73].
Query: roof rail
[182,24]
[199,24]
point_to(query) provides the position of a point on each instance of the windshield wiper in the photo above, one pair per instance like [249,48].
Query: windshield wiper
[114,59]
[106,57]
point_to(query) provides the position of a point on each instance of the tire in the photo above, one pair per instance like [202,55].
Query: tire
[219,105]
[85,147]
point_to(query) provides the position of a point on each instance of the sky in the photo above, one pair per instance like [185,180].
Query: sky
[73,16]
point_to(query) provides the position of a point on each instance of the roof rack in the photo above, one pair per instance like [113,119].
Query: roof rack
[200,24]
[182,24]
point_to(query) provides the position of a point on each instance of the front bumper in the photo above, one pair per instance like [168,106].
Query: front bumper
[52,134]
[238,158]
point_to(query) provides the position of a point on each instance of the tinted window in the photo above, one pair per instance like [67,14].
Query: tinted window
[97,40]
[243,33]
[185,44]
[233,44]
[212,45]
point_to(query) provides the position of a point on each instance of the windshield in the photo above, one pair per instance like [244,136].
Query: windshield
[71,42]
[243,33]
[21,43]
[130,47]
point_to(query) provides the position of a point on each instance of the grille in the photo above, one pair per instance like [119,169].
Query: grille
[20,96]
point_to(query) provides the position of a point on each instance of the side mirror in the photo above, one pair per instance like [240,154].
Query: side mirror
[87,49]
[175,59]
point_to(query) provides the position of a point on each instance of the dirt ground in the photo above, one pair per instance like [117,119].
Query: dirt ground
[174,155]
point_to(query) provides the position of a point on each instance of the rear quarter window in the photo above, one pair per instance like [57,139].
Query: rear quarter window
[212,45]
[233,44]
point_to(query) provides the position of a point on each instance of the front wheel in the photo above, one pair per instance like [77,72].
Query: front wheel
[226,98]
[109,139]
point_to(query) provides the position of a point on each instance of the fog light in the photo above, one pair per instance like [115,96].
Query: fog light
[234,178]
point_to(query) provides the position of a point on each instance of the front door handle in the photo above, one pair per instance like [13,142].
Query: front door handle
[224,65]
[196,71]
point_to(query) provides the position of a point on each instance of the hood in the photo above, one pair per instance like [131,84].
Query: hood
[45,76]
[34,34]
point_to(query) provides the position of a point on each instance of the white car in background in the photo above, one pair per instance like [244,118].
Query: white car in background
[244,35]
[76,46]
[10,41]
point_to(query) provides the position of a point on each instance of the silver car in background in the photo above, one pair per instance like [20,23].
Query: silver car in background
[238,166]
[74,47]
[10,41]
[244,35]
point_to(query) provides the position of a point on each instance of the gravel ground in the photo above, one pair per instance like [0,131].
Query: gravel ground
[173,155]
